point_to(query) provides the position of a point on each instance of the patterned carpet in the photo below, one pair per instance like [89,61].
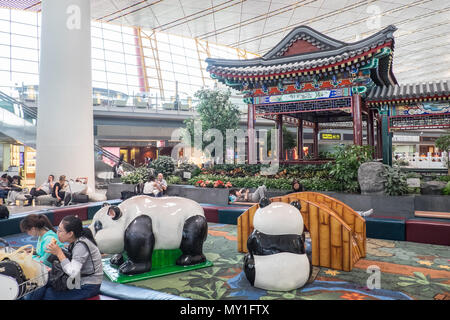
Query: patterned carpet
[409,271]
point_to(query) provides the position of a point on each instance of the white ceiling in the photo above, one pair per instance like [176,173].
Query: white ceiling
[422,50]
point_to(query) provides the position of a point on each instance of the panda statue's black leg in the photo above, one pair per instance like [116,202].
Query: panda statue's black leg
[117,260]
[249,268]
[195,231]
[139,244]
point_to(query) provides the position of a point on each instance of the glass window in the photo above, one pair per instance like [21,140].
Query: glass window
[129,39]
[24,41]
[97,54]
[4,64]
[133,80]
[98,64]
[25,54]
[4,14]
[4,38]
[98,75]
[130,49]
[23,29]
[24,66]
[97,42]
[4,26]
[23,16]
[112,35]
[115,67]
[96,32]
[132,60]
[113,45]
[25,78]
[116,78]
[4,51]
[114,56]
[132,70]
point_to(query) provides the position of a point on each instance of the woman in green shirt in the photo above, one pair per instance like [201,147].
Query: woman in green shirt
[38,225]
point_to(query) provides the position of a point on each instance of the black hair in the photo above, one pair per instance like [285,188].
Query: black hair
[233,192]
[18,178]
[39,221]
[74,224]
[4,212]
[51,175]
[4,176]
[300,186]
[151,178]
[10,180]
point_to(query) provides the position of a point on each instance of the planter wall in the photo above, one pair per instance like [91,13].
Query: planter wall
[401,206]
[115,189]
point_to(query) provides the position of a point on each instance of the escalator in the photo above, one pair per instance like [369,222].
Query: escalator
[18,121]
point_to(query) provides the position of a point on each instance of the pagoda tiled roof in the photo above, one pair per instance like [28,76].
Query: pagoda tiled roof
[329,52]
[405,92]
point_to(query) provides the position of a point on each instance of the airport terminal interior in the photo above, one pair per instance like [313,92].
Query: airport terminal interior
[224,150]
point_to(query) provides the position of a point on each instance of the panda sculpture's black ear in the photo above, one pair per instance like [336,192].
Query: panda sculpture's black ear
[264,202]
[296,204]
[117,212]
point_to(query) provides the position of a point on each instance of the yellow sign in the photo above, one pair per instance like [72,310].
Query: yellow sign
[330,136]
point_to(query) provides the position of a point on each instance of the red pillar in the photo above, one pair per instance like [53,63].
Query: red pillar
[280,137]
[251,146]
[357,120]
[300,139]
[370,130]
[316,140]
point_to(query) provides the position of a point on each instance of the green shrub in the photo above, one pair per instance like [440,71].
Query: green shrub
[174,180]
[395,181]
[444,178]
[348,160]
[446,190]
[141,174]
[164,165]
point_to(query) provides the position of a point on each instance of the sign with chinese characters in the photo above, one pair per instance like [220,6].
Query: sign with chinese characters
[302,96]
[330,136]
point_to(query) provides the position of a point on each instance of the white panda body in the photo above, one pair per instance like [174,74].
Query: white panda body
[281,271]
[168,216]
[284,269]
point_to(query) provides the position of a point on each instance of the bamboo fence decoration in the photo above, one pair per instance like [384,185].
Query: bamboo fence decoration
[338,233]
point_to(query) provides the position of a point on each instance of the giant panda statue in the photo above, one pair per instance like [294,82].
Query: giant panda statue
[142,224]
[276,258]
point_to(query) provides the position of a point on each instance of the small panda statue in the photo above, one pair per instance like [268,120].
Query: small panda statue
[276,258]
[141,224]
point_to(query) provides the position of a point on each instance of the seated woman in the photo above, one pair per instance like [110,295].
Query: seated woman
[38,225]
[244,195]
[42,190]
[59,191]
[152,189]
[86,263]
[16,190]
[296,187]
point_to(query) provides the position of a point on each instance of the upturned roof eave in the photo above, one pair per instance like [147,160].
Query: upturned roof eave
[383,35]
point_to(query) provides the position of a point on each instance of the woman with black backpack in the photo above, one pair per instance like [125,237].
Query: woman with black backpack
[84,268]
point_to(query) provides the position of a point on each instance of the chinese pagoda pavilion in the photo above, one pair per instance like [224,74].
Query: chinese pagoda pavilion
[310,80]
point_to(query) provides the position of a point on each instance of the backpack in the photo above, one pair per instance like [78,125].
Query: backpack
[57,278]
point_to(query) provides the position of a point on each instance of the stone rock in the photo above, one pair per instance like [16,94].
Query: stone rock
[413,182]
[370,178]
[432,187]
